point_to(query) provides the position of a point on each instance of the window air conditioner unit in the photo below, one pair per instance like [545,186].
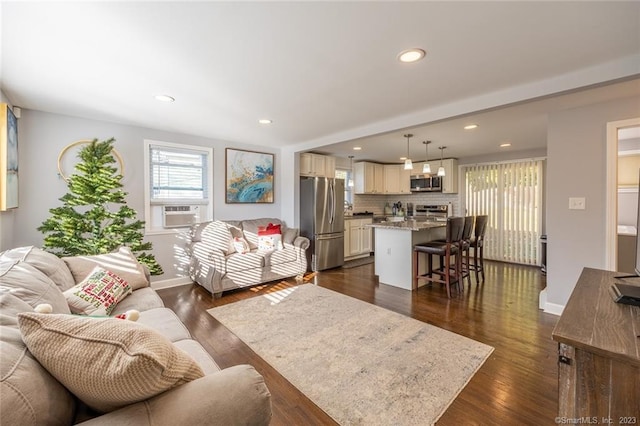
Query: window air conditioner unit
[180,216]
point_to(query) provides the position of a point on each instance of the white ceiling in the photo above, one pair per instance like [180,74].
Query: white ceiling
[323,72]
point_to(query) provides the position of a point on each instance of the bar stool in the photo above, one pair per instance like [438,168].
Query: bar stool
[465,245]
[449,271]
[477,243]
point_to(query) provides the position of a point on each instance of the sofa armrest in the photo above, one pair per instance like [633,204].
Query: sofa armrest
[302,242]
[233,396]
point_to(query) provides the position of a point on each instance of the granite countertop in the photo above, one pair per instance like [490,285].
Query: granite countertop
[408,225]
[358,216]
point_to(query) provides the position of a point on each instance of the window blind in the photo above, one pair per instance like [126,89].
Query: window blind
[511,194]
[177,174]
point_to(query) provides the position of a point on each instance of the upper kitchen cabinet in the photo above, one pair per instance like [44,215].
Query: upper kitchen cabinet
[450,180]
[397,180]
[317,165]
[368,178]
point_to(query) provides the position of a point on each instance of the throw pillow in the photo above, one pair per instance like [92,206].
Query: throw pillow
[270,237]
[107,363]
[29,395]
[32,286]
[97,294]
[47,263]
[289,235]
[123,263]
[241,245]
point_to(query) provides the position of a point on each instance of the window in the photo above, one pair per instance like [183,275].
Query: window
[348,190]
[177,185]
[511,194]
[177,174]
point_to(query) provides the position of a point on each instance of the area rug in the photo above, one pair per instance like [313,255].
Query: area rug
[362,364]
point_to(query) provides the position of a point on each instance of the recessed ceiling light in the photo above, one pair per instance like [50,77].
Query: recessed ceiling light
[357,148]
[164,98]
[403,158]
[411,55]
[504,145]
[471,126]
[265,121]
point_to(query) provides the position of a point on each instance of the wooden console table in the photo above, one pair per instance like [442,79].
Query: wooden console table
[599,353]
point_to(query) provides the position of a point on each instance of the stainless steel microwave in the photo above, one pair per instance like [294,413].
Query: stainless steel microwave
[426,183]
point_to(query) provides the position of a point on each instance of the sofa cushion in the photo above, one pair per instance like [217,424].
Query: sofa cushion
[244,261]
[47,263]
[197,352]
[97,294]
[107,363]
[123,263]
[141,300]
[165,322]
[218,236]
[279,257]
[29,394]
[32,286]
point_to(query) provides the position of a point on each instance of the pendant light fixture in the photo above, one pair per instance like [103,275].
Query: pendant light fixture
[441,169]
[350,181]
[426,168]
[408,165]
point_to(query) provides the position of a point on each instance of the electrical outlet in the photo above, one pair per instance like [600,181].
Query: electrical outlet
[577,203]
[389,250]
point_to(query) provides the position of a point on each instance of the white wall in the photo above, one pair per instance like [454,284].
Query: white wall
[576,167]
[43,135]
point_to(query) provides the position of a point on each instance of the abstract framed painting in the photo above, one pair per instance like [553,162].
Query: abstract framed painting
[8,159]
[248,176]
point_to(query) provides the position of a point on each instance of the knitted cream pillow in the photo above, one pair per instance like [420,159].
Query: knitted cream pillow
[107,363]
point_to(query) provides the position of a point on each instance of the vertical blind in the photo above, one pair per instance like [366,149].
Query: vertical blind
[177,174]
[511,194]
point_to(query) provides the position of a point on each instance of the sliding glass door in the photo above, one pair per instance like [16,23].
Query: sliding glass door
[511,194]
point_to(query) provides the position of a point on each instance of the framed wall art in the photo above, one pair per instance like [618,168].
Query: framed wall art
[8,159]
[248,176]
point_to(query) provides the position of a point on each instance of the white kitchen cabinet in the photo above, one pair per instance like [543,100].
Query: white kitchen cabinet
[368,178]
[397,180]
[317,165]
[405,180]
[359,236]
[330,167]
[392,179]
[450,180]
[347,237]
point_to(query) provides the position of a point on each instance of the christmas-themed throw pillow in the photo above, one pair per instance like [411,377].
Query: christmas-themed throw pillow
[241,245]
[270,237]
[98,294]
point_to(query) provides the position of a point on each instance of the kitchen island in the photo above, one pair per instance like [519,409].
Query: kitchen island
[394,243]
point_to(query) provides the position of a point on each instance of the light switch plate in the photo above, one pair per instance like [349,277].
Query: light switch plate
[577,203]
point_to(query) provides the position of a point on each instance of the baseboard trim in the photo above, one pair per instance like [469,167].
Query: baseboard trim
[173,282]
[548,307]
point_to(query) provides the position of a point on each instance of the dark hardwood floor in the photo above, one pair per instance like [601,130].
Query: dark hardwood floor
[516,385]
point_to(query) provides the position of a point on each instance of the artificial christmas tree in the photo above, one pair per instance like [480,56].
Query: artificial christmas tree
[95,218]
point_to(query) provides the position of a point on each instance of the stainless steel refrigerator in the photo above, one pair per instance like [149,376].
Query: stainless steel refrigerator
[322,221]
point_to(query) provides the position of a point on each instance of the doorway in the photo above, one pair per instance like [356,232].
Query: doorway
[619,133]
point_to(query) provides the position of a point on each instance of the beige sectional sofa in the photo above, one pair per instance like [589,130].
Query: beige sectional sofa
[31,387]
[216,265]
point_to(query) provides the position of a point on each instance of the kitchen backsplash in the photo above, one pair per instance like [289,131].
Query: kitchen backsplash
[375,203]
